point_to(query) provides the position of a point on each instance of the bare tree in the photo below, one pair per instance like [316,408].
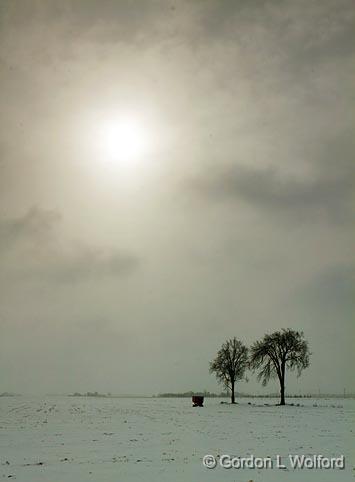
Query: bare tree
[230,364]
[285,349]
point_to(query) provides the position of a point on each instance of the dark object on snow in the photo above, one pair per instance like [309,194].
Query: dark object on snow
[197,401]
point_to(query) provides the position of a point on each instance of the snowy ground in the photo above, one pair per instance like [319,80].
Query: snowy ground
[64,439]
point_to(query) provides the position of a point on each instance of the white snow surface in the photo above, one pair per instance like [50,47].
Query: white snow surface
[68,439]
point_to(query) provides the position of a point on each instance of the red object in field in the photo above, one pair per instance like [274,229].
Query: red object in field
[197,401]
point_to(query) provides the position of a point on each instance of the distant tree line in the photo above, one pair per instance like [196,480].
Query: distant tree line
[270,357]
[90,394]
[189,394]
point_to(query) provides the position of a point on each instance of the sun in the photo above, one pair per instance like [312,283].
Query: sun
[124,141]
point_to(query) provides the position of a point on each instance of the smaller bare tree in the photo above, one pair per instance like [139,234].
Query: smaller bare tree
[230,364]
[286,349]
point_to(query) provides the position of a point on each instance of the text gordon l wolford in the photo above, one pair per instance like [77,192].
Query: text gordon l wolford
[292,461]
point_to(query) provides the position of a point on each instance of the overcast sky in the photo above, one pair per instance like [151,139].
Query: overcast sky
[237,221]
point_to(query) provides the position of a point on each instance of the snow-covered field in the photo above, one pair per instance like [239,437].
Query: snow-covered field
[62,439]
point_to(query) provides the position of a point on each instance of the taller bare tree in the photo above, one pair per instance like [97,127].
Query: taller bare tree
[230,364]
[285,349]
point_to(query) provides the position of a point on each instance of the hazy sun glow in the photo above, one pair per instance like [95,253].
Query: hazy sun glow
[123,141]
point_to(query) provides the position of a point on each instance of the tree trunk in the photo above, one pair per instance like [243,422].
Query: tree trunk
[282,385]
[233,395]
[282,392]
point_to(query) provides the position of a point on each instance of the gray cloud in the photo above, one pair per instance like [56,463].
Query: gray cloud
[331,292]
[34,224]
[271,190]
[31,248]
